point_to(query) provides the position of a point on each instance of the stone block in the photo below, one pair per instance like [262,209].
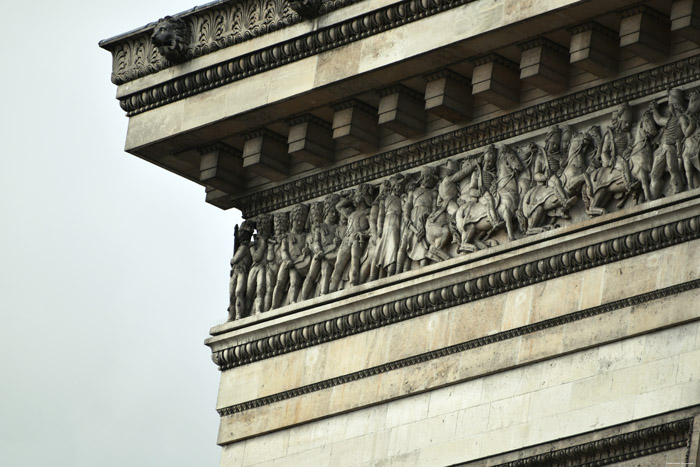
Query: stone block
[644,31]
[496,80]
[595,49]
[550,401]
[685,19]
[448,95]
[451,452]
[407,410]
[472,421]
[221,168]
[355,125]
[265,154]
[311,140]
[401,110]
[544,64]
[456,397]
[509,412]
[218,198]
[268,447]
[591,391]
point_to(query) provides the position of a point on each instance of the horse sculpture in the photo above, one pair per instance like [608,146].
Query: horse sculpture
[472,217]
[542,201]
[641,155]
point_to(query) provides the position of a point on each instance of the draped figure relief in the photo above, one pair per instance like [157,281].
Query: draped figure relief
[465,204]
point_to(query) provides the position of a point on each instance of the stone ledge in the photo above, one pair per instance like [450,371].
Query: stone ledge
[442,285]
[468,362]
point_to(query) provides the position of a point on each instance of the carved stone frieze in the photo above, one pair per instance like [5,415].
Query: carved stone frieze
[614,449]
[208,30]
[468,291]
[472,137]
[498,194]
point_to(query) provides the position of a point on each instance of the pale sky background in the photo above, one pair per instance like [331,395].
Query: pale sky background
[112,270]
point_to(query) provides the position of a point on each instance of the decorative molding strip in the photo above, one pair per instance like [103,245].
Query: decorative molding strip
[212,29]
[468,291]
[400,88]
[593,26]
[457,348]
[637,9]
[279,54]
[447,73]
[472,137]
[614,449]
[494,58]
[543,42]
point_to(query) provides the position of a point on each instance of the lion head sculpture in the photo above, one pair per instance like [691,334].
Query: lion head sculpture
[171,36]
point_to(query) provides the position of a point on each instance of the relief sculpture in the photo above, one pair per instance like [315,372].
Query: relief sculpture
[498,194]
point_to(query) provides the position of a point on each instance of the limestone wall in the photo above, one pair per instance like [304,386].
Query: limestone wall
[596,351]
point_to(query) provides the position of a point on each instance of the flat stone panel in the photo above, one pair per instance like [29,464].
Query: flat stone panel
[685,19]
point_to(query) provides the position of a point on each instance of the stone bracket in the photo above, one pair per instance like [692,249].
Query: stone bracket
[644,32]
[496,80]
[685,19]
[402,111]
[544,64]
[448,95]
[311,140]
[265,154]
[595,49]
[355,125]
[221,168]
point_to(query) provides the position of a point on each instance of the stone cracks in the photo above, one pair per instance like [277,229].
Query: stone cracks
[473,137]
[474,289]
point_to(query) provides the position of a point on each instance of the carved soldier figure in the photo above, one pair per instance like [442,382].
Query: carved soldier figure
[549,168]
[295,257]
[617,144]
[256,284]
[691,143]
[419,204]
[479,189]
[666,157]
[440,228]
[240,265]
[389,229]
[274,256]
[324,241]
[354,240]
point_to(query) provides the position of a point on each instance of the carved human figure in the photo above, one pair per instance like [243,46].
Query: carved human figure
[274,256]
[420,203]
[324,241]
[240,265]
[477,202]
[641,155]
[355,235]
[666,157]
[474,220]
[613,178]
[256,283]
[691,143]
[440,229]
[389,229]
[295,258]
[553,195]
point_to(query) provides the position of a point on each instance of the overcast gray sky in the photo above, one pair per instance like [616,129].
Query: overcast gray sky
[112,270]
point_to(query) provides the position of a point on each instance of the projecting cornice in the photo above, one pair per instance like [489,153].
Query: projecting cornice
[202,30]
